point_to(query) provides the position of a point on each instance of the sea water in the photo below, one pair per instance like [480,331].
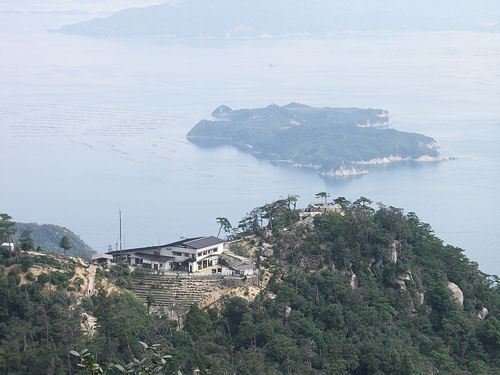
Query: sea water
[89,127]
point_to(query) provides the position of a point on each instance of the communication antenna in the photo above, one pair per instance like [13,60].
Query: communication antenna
[121,248]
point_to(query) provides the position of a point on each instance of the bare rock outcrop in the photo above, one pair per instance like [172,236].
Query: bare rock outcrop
[420,298]
[353,280]
[395,248]
[403,278]
[483,313]
[458,295]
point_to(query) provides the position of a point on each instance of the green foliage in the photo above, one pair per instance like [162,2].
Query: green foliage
[197,322]
[48,260]
[7,228]
[308,320]
[43,278]
[36,329]
[64,244]
[26,241]
[224,224]
[120,275]
[323,195]
[26,262]
[153,362]
[60,278]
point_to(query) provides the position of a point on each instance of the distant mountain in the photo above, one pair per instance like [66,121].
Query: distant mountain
[240,18]
[334,141]
[48,236]
[494,28]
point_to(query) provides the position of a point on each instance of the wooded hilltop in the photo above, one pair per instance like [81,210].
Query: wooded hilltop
[346,289]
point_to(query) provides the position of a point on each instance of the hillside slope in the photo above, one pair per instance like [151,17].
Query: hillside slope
[347,289]
[48,236]
[360,290]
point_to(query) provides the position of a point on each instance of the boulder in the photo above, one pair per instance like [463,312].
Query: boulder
[483,313]
[404,277]
[393,256]
[353,280]
[458,295]
[401,284]
[420,298]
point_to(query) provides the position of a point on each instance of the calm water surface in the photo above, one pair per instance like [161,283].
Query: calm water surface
[88,126]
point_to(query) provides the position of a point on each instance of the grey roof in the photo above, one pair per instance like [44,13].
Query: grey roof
[189,243]
[125,251]
[242,267]
[101,256]
[181,243]
[196,242]
[154,257]
[203,242]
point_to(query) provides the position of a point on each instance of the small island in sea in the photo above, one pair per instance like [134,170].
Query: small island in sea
[334,141]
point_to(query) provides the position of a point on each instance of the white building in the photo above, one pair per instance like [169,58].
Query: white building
[8,245]
[102,258]
[190,254]
[244,270]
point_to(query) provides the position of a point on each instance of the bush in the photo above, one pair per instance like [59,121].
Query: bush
[14,278]
[59,278]
[78,282]
[5,253]
[9,262]
[30,276]
[44,259]
[142,271]
[43,278]
[26,262]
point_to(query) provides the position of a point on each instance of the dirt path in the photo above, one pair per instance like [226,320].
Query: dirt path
[91,279]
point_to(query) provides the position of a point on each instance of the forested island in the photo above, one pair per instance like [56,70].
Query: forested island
[334,141]
[345,288]
[297,18]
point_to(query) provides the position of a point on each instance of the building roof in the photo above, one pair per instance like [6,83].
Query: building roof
[242,267]
[181,243]
[124,251]
[188,243]
[154,257]
[102,256]
[204,242]
[196,242]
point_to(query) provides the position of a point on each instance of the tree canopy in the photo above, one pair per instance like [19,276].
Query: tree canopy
[364,290]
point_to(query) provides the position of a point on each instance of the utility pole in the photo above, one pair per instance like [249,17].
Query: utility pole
[121,230]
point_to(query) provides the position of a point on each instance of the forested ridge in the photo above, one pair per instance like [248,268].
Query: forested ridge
[352,290]
[47,237]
